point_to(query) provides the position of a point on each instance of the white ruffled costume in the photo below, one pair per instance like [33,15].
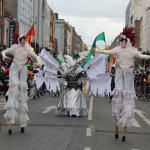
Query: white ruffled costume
[123,102]
[16,106]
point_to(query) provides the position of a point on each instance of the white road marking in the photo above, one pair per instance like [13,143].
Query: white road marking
[87,148]
[48,109]
[135,149]
[135,123]
[90,109]
[142,116]
[88,132]
[147,121]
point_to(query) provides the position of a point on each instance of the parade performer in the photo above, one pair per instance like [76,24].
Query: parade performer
[123,103]
[16,106]
[72,101]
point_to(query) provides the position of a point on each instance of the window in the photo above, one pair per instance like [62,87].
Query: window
[22,28]
[28,12]
[131,20]
[31,11]
[23,12]
[25,29]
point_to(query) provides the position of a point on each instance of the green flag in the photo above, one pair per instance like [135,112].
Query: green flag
[101,37]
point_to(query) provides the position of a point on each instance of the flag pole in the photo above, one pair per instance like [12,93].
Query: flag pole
[35,42]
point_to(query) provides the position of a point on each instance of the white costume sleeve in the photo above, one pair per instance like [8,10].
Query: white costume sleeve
[139,55]
[112,51]
[9,50]
[31,53]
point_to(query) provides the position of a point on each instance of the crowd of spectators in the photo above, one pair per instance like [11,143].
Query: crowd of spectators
[142,80]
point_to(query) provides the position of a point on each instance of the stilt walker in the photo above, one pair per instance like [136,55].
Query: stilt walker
[16,106]
[123,103]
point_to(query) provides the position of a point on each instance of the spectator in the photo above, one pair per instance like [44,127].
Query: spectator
[112,81]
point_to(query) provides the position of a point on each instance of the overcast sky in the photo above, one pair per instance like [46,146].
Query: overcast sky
[91,17]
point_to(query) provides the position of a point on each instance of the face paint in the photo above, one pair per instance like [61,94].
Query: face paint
[23,41]
[123,43]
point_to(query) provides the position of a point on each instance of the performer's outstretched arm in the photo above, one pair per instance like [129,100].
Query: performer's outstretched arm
[112,51]
[139,55]
[4,52]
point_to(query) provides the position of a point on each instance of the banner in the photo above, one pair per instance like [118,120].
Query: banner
[12,27]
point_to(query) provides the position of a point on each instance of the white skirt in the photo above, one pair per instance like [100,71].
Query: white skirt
[72,102]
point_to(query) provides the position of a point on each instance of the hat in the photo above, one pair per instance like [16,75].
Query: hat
[128,33]
[22,36]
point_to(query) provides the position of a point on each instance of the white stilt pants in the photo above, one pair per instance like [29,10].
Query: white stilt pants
[123,97]
[16,106]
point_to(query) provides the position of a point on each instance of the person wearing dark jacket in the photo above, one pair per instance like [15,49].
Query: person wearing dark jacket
[112,81]
[72,101]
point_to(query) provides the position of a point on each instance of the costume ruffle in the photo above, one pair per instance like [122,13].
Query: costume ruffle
[11,113]
[123,110]
[72,102]
[23,120]
[16,106]
[100,86]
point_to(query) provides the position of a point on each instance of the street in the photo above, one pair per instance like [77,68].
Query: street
[45,131]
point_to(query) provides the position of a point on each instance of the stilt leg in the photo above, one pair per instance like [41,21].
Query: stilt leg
[125,131]
[10,129]
[10,126]
[124,134]
[116,132]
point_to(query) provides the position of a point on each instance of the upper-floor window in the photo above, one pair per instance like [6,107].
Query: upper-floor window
[28,15]
[131,20]
[21,10]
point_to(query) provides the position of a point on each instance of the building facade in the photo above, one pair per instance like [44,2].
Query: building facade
[127,19]
[70,39]
[21,11]
[60,35]
[62,29]
[39,17]
[25,15]
[47,35]
[7,29]
[12,7]
[84,47]
[145,31]
[135,10]
[52,30]
[115,42]
[2,20]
